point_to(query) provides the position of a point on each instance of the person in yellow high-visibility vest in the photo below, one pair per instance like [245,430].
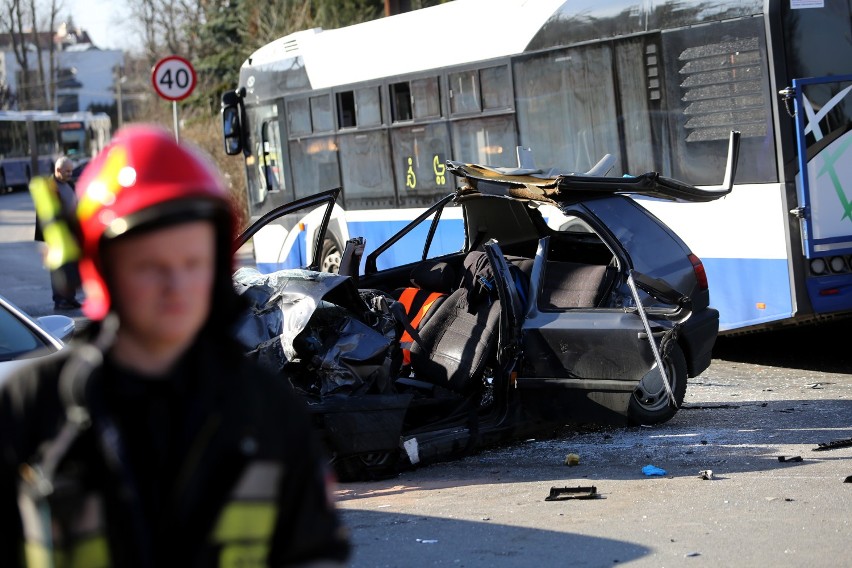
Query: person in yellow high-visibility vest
[56,200]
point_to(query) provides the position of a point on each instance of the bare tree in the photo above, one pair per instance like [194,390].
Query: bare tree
[169,26]
[22,20]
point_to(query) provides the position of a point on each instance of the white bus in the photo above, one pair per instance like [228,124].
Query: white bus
[28,146]
[83,135]
[378,108]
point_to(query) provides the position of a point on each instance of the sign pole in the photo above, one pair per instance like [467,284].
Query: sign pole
[175,115]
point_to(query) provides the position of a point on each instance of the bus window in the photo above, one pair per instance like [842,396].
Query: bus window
[566,107]
[426,98]
[346,109]
[496,88]
[489,140]
[368,106]
[400,94]
[478,90]
[717,81]
[421,153]
[47,137]
[359,108]
[464,92]
[298,117]
[419,98]
[265,166]
[314,164]
[321,119]
[638,90]
[367,173]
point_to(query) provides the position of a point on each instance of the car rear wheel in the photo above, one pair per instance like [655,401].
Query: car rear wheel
[367,467]
[650,402]
[331,255]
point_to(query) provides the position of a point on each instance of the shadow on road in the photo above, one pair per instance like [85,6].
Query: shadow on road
[815,347]
[469,543]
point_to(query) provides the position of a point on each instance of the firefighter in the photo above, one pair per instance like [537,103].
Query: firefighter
[152,441]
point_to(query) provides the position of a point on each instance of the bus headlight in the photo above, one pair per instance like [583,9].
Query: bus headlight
[818,266]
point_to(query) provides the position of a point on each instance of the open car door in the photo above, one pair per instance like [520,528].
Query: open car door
[291,235]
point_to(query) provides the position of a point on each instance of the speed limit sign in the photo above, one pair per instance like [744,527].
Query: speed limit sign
[173,78]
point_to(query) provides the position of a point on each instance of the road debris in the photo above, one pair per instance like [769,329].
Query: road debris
[834,444]
[572,459]
[563,493]
[792,459]
[705,474]
[652,470]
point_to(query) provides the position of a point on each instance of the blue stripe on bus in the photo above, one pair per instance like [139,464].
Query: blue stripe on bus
[738,285]
[446,241]
[403,252]
[296,257]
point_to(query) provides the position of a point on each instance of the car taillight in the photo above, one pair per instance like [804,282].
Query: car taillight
[700,274]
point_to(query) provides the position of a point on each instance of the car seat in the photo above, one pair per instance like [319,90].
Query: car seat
[431,283]
[576,285]
[460,337]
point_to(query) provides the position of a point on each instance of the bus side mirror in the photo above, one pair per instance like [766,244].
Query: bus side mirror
[232,129]
[232,124]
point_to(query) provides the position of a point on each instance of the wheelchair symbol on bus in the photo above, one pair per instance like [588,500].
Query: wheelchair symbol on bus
[410,178]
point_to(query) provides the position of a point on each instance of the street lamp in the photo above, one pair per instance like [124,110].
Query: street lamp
[118,75]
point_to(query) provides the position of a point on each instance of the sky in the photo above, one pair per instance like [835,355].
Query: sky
[105,21]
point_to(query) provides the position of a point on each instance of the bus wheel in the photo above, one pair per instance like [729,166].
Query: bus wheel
[331,255]
[650,403]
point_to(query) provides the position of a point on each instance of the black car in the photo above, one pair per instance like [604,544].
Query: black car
[567,302]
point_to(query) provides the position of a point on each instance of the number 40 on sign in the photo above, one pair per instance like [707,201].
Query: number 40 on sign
[173,78]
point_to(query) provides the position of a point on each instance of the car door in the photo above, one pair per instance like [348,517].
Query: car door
[291,235]
[511,313]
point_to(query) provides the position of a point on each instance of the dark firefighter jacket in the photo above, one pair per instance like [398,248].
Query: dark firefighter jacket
[216,465]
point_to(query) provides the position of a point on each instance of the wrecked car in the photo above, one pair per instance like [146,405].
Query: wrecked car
[565,302]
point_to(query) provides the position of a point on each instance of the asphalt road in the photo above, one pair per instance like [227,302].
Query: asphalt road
[765,395]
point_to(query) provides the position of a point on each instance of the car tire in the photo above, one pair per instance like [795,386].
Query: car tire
[367,467]
[650,403]
[331,255]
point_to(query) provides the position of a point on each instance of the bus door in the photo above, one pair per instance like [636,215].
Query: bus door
[823,115]
[265,164]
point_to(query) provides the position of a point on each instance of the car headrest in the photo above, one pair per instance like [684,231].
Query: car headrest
[434,276]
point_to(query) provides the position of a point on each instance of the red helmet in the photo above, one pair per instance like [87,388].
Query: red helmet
[144,180]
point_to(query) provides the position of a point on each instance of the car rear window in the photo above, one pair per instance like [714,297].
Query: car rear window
[654,249]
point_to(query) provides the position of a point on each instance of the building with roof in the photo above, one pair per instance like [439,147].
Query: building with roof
[84,74]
